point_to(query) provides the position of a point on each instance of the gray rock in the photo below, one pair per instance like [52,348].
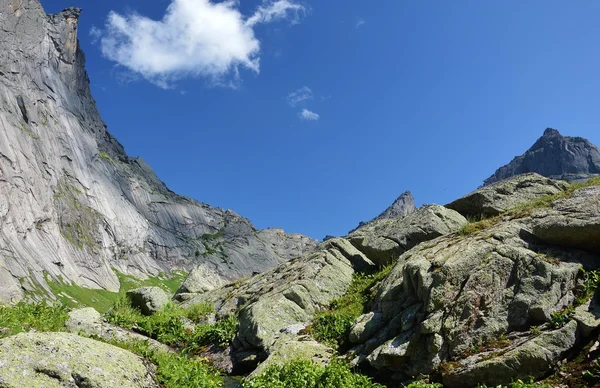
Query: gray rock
[365,327]
[88,322]
[533,358]
[148,300]
[402,206]
[56,360]
[73,205]
[385,240]
[554,156]
[572,222]
[202,279]
[501,196]
[587,317]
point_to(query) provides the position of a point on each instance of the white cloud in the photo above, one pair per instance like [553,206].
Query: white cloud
[95,33]
[195,38]
[305,114]
[360,22]
[302,94]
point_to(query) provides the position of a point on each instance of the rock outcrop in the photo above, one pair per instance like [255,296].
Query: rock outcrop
[501,196]
[57,360]
[73,205]
[554,156]
[402,206]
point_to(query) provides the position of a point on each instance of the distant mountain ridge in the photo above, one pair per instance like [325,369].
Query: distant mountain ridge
[402,206]
[554,156]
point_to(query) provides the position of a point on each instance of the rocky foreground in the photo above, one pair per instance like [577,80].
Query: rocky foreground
[508,296]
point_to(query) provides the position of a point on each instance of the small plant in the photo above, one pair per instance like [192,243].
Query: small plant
[535,330]
[106,157]
[423,384]
[476,226]
[305,374]
[560,318]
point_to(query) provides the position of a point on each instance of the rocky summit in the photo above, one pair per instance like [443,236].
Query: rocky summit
[499,288]
[74,206]
[554,156]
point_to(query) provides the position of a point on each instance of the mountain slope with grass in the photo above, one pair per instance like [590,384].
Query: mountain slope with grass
[75,208]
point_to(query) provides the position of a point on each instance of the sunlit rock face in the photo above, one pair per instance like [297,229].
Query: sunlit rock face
[73,206]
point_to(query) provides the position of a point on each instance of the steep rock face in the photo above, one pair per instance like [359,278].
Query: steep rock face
[402,206]
[73,205]
[554,156]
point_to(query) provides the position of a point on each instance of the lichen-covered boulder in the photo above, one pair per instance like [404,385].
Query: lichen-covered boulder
[148,299]
[384,240]
[571,222]
[58,360]
[501,196]
[88,322]
[202,279]
[529,358]
[301,348]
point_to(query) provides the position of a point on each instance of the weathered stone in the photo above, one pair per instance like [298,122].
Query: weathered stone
[202,279]
[303,348]
[385,240]
[66,360]
[554,156]
[148,300]
[501,196]
[365,327]
[572,222]
[533,358]
[587,317]
[88,322]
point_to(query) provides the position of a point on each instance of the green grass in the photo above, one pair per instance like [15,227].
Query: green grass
[72,295]
[168,327]
[332,326]
[106,157]
[24,317]
[175,370]
[305,374]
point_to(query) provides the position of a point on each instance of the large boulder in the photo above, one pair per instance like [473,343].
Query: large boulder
[501,196]
[572,222]
[202,279]
[148,300]
[529,358]
[89,322]
[384,240]
[58,360]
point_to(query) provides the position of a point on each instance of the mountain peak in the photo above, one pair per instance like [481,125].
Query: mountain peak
[402,206]
[554,156]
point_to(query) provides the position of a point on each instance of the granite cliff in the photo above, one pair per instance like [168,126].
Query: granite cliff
[74,207]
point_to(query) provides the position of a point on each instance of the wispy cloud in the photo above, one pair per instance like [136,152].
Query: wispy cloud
[306,114]
[95,34]
[360,22]
[302,94]
[195,38]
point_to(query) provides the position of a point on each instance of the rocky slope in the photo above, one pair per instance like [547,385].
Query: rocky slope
[73,205]
[482,302]
[554,156]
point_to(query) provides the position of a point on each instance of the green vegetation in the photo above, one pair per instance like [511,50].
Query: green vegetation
[175,370]
[478,225]
[106,157]
[169,325]
[25,128]
[423,384]
[305,374]
[331,327]
[560,318]
[591,283]
[73,295]
[24,317]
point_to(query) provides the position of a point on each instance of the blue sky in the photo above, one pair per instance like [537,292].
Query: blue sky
[427,96]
